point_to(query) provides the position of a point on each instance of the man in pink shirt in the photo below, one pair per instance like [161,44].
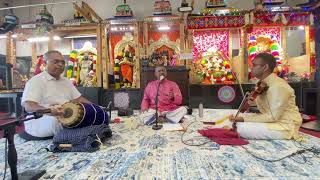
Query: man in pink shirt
[169,99]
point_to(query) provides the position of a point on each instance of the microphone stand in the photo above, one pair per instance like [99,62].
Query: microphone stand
[9,131]
[157,126]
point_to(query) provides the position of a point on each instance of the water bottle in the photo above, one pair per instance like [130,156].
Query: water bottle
[201,110]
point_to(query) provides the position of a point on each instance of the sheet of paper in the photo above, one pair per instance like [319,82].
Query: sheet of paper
[215,118]
[172,127]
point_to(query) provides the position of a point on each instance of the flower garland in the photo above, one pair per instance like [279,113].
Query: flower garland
[72,69]
[214,67]
[39,66]
[268,44]
[74,64]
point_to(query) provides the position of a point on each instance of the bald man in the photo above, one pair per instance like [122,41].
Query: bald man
[169,99]
[48,90]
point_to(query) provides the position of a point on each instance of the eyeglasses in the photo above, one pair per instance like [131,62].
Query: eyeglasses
[57,61]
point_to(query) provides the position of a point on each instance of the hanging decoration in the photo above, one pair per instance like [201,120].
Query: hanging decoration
[313,65]
[213,67]
[221,12]
[123,10]
[215,3]
[8,22]
[265,18]
[72,66]
[44,22]
[116,71]
[268,44]
[280,17]
[162,7]
[205,22]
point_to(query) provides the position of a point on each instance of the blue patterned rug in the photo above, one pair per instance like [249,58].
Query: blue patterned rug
[142,153]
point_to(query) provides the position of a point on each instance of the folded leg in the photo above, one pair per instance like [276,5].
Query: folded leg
[176,115]
[148,117]
[45,126]
[253,130]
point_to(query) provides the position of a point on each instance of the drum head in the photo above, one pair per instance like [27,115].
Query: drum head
[73,112]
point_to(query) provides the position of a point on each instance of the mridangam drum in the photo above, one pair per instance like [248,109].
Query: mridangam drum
[77,115]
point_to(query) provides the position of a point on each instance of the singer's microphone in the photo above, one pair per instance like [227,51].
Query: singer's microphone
[161,77]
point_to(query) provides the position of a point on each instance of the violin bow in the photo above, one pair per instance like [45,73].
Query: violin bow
[242,103]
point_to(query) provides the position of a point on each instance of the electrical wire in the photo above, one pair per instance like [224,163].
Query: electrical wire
[313,150]
[303,149]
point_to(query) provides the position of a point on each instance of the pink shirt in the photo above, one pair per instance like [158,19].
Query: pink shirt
[164,103]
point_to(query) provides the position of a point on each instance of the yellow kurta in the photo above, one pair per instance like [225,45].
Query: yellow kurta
[278,108]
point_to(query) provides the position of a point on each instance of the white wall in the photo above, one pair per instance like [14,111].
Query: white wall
[64,46]
[3,47]
[295,38]
[23,48]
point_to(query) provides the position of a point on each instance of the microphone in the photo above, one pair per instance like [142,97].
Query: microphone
[109,104]
[161,77]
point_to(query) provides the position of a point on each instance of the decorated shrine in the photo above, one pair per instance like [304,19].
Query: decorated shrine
[214,67]
[162,36]
[162,7]
[82,65]
[124,42]
[288,35]
[218,30]
[240,35]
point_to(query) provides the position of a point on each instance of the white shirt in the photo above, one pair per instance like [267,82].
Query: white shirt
[46,91]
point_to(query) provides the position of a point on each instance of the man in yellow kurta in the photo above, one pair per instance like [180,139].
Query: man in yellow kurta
[279,117]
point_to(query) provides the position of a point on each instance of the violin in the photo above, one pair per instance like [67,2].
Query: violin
[260,88]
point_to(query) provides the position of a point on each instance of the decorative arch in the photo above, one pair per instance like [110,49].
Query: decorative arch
[164,41]
[127,39]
